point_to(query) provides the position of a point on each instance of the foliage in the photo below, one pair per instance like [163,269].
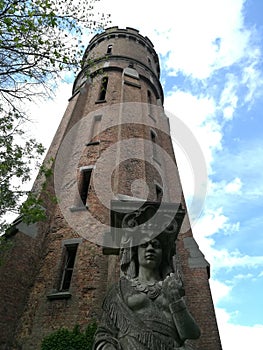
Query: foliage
[16,161]
[39,40]
[64,339]
[5,245]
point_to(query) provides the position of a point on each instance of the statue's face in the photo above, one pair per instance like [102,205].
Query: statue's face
[150,254]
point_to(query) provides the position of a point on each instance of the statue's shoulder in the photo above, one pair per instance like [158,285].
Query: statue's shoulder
[117,293]
[119,287]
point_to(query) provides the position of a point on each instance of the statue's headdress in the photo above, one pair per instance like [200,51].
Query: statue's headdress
[144,224]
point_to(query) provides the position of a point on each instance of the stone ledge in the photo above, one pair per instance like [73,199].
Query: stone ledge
[59,295]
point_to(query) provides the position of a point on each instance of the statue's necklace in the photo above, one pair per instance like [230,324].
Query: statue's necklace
[152,289]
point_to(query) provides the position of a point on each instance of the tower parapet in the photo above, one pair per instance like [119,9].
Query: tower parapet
[117,49]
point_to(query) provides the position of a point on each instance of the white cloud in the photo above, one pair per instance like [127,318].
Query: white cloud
[235,336]
[234,186]
[198,36]
[228,100]
[47,115]
[242,276]
[253,81]
[201,44]
[211,222]
[226,259]
[198,113]
[219,190]
[219,290]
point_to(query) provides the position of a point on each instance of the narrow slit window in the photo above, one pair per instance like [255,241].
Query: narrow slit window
[85,177]
[149,100]
[96,127]
[103,89]
[149,62]
[68,266]
[154,145]
[159,193]
[109,49]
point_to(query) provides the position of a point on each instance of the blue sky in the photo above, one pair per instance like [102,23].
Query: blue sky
[212,74]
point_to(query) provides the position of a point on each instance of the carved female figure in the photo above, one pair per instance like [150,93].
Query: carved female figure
[146,309]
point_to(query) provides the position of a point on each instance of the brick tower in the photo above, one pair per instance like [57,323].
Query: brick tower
[112,150]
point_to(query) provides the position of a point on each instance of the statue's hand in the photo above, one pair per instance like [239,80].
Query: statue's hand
[171,288]
[108,347]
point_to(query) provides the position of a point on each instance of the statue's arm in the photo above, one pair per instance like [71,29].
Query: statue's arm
[184,322]
[106,335]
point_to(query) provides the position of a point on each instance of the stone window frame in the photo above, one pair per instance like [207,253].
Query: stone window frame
[68,246]
[95,130]
[103,89]
[150,105]
[158,192]
[80,202]
[154,138]
[109,49]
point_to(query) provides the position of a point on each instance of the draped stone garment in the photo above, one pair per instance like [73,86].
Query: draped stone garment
[126,329]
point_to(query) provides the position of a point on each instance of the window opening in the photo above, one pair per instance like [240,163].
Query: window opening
[84,184]
[109,49]
[159,193]
[67,270]
[149,100]
[154,145]
[149,62]
[96,127]
[103,88]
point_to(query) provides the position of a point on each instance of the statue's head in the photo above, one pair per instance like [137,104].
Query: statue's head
[166,244]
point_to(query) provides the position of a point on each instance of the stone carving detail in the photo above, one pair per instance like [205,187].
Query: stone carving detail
[146,309]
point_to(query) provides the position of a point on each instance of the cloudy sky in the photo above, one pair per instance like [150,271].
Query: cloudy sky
[212,73]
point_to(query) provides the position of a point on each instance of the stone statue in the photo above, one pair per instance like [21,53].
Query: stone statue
[146,310]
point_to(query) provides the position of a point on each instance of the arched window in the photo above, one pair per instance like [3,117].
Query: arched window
[109,49]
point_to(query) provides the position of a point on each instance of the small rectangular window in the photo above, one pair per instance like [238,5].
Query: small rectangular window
[96,127]
[85,177]
[149,100]
[159,193]
[154,146]
[109,49]
[103,89]
[68,265]
[149,61]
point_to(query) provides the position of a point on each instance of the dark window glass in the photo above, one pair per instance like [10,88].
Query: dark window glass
[154,147]
[103,88]
[159,193]
[149,62]
[84,184]
[67,270]
[149,100]
[109,49]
